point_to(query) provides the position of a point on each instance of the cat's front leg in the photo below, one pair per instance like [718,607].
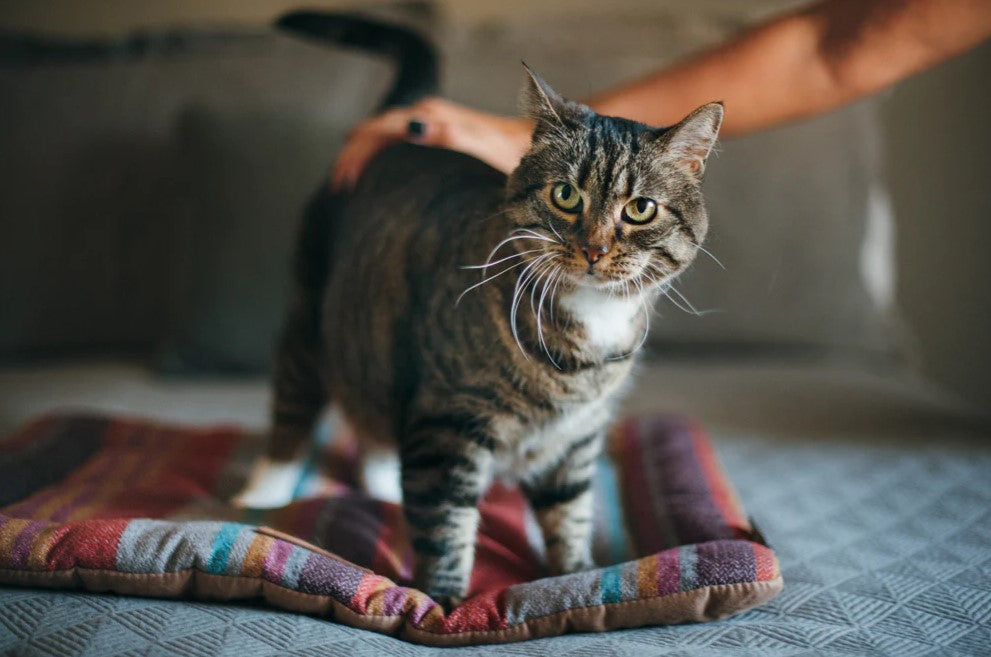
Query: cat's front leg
[446,469]
[562,500]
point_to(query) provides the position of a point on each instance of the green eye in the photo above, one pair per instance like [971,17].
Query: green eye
[566,197]
[640,211]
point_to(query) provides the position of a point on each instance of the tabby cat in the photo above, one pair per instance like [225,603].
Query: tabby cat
[486,325]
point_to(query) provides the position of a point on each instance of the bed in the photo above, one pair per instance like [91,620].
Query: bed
[872,492]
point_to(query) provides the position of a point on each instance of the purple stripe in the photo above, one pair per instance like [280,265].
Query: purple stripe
[363,518]
[275,561]
[423,606]
[21,549]
[725,562]
[393,600]
[683,485]
[668,572]
[325,576]
[651,459]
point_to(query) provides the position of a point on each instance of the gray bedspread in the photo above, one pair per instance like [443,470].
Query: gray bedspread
[885,545]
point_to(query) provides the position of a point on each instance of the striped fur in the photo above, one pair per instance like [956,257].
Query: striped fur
[511,370]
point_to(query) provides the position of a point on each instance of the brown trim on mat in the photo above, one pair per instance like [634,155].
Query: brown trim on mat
[687,606]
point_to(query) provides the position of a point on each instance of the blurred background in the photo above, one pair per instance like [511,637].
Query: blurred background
[157,156]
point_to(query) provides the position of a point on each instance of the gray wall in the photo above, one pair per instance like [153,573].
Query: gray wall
[938,133]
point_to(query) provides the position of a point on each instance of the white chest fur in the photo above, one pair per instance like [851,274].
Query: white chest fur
[609,320]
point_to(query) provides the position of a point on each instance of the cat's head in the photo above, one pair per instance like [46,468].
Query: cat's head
[615,203]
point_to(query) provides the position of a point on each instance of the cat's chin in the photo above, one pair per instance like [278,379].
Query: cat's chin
[610,284]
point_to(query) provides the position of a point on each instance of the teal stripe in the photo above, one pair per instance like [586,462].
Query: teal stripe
[318,447]
[220,552]
[608,486]
[610,585]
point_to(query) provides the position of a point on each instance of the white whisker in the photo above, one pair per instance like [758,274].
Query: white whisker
[709,253]
[554,230]
[522,280]
[531,233]
[540,308]
[483,282]
[676,303]
[486,265]
[685,299]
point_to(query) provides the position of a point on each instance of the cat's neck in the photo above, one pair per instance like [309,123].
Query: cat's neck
[611,323]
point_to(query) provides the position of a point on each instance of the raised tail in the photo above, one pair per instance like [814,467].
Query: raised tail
[414,57]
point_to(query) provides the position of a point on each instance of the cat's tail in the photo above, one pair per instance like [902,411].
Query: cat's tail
[414,57]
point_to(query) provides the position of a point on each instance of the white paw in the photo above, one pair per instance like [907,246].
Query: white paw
[271,484]
[380,475]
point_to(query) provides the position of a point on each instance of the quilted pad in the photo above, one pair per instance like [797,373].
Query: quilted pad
[141,508]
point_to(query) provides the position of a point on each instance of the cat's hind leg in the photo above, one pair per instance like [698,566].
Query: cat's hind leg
[299,398]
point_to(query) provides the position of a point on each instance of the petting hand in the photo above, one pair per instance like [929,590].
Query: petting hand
[497,140]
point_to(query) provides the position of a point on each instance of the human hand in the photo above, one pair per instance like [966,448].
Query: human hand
[497,140]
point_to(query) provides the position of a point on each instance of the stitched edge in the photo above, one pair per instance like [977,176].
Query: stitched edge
[402,622]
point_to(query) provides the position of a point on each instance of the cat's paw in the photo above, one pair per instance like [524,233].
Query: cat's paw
[271,484]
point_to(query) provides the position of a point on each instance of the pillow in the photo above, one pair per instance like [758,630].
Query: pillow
[677,545]
[106,232]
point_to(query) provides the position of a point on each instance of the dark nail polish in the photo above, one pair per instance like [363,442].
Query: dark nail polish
[416,128]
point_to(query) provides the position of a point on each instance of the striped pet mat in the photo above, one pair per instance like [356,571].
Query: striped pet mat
[142,508]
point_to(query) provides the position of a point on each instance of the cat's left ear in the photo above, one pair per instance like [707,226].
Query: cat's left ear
[539,101]
[689,143]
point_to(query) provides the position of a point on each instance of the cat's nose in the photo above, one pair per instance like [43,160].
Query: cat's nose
[594,252]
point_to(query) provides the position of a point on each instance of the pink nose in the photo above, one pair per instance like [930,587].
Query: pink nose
[594,252]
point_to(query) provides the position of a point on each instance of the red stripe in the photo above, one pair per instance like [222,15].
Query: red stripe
[719,490]
[766,564]
[503,555]
[639,509]
[89,544]
[485,611]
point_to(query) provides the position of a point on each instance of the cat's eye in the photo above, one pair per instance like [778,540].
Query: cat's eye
[640,211]
[567,197]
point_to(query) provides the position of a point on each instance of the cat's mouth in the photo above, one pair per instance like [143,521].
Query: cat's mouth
[608,277]
[603,279]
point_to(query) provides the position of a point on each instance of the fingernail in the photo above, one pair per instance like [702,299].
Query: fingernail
[416,128]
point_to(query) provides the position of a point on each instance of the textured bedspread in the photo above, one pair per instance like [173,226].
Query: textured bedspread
[886,549]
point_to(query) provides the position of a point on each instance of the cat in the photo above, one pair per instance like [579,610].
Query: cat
[486,324]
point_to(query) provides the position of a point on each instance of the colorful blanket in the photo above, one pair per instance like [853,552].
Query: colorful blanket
[141,508]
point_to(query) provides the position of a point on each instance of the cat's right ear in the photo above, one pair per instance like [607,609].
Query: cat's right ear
[689,143]
[539,101]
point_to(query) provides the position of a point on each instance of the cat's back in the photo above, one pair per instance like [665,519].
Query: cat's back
[419,176]
[401,239]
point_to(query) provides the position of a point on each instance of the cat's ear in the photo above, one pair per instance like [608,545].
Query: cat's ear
[688,143]
[539,101]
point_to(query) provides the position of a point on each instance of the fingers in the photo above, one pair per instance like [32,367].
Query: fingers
[419,123]
[364,142]
[497,140]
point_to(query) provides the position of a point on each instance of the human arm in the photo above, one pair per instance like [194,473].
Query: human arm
[791,67]
[805,63]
